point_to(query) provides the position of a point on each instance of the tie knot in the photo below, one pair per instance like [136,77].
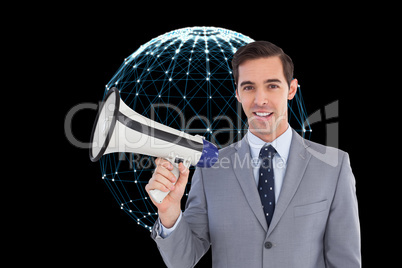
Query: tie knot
[267,151]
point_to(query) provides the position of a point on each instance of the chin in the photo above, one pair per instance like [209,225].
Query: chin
[262,129]
[265,128]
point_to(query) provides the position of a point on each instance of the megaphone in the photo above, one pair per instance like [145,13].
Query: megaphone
[118,128]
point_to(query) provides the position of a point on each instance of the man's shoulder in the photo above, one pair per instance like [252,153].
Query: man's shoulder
[230,149]
[321,147]
[328,154]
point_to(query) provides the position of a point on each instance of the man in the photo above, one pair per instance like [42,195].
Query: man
[273,199]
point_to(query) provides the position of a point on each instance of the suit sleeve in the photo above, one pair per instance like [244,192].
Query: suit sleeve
[185,246]
[342,236]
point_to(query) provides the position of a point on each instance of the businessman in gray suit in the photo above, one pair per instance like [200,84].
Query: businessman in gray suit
[299,209]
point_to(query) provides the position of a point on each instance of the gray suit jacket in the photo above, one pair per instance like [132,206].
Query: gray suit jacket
[315,223]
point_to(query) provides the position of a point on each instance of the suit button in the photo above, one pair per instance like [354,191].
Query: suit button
[268,245]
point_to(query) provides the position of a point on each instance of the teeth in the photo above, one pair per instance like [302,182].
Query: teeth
[262,114]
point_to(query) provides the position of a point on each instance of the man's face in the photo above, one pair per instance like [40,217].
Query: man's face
[263,92]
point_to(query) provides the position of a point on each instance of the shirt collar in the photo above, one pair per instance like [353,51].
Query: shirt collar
[281,144]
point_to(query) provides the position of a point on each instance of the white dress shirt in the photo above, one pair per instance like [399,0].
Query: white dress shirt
[282,147]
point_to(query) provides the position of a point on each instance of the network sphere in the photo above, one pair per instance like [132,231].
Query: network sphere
[182,79]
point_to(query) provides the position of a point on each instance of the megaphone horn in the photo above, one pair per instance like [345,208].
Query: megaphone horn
[118,128]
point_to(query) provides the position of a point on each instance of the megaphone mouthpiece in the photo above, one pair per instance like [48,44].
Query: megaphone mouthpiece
[209,155]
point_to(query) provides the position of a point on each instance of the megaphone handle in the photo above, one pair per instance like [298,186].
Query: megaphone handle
[158,195]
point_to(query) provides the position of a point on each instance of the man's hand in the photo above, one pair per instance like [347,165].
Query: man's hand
[163,180]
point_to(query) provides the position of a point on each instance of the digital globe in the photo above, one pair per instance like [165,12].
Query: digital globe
[182,79]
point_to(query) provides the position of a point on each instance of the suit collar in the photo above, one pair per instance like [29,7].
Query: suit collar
[296,166]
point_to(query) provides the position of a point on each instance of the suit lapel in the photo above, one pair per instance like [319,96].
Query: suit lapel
[244,173]
[296,166]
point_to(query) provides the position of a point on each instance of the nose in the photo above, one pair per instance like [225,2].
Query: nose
[260,98]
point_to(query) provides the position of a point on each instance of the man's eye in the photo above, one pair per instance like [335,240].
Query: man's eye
[248,88]
[273,86]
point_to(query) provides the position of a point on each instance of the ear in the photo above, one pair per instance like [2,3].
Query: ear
[237,95]
[292,89]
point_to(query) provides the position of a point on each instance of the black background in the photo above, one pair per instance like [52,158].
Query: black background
[84,225]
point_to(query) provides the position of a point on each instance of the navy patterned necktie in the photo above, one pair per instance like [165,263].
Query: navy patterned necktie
[266,184]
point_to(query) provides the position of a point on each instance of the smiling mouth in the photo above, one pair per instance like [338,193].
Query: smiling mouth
[262,115]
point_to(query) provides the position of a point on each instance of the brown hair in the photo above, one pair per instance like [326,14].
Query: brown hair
[262,49]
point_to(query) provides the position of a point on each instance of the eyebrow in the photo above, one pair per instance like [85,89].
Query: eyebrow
[273,80]
[246,83]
